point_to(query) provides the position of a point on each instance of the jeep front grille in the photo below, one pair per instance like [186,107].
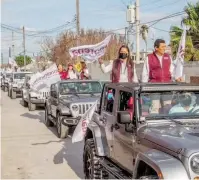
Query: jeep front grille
[84,107]
[45,94]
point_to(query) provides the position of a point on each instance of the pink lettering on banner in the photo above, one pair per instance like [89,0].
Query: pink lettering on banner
[87,51]
[80,51]
[84,126]
[75,52]
[92,51]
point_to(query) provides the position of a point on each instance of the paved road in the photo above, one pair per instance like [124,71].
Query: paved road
[31,150]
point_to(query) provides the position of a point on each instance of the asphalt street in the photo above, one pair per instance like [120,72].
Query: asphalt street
[31,150]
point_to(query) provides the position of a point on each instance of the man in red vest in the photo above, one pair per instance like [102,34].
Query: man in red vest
[158,66]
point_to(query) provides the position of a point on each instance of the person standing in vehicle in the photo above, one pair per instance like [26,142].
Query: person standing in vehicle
[62,72]
[84,73]
[158,66]
[71,74]
[122,68]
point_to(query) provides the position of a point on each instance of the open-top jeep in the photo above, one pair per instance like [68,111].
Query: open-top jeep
[32,98]
[15,84]
[5,80]
[68,101]
[144,131]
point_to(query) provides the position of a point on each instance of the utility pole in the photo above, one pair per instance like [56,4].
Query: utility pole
[24,46]
[130,18]
[2,58]
[137,23]
[77,20]
[13,46]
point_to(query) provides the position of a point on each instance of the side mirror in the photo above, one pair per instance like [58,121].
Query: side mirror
[123,117]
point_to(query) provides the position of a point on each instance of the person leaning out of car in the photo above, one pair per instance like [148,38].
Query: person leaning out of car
[122,68]
[84,73]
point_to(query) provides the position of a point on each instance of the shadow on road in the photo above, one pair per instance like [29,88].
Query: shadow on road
[40,117]
[72,154]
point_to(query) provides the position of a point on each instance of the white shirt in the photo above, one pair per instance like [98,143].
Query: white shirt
[72,75]
[145,72]
[123,72]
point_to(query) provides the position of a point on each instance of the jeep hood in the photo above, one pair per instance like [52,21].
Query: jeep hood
[79,98]
[173,137]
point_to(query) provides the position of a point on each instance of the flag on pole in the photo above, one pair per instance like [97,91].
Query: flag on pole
[179,66]
[81,127]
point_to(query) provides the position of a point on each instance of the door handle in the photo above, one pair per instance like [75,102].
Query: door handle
[103,119]
[115,126]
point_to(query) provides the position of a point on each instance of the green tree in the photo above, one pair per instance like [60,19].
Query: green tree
[20,60]
[192,39]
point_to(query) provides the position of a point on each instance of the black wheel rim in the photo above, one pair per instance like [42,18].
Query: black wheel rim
[88,166]
[59,125]
[46,114]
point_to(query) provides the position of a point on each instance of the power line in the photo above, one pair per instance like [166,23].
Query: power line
[163,5]
[153,2]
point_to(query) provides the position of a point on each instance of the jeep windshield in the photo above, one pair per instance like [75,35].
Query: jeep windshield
[80,88]
[175,105]
[8,75]
[19,76]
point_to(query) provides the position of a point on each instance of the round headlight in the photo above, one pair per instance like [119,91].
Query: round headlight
[195,164]
[75,108]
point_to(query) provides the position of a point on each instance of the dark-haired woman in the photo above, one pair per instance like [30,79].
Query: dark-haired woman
[71,74]
[122,68]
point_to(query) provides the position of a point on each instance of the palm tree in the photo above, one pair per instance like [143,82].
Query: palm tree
[192,20]
[144,33]
[192,39]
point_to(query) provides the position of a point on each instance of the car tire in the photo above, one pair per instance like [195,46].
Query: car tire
[92,167]
[47,121]
[5,89]
[31,106]
[24,103]
[13,94]
[8,92]
[62,130]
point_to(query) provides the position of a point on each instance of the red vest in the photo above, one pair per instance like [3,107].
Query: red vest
[63,75]
[115,76]
[156,72]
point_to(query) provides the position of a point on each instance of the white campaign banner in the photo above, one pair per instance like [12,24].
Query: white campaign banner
[81,127]
[45,78]
[12,62]
[91,53]
[179,66]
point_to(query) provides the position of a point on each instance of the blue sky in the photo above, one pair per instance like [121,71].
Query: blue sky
[39,15]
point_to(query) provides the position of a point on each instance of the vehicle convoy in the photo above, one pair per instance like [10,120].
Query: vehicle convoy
[5,80]
[32,98]
[144,131]
[68,101]
[15,84]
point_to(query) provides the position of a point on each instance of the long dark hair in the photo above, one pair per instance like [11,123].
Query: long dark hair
[129,60]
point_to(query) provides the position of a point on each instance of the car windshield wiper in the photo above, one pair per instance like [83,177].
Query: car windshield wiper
[166,118]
